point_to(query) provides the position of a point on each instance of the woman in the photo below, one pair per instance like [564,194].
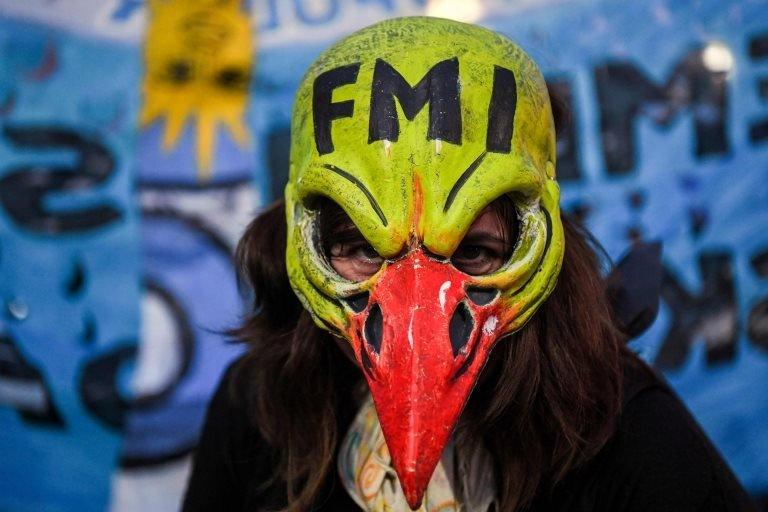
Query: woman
[423,230]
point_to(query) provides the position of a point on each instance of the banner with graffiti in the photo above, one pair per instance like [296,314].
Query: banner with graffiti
[68,264]
[195,176]
[138,137]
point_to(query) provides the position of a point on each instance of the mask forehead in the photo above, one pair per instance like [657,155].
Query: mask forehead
[414,127]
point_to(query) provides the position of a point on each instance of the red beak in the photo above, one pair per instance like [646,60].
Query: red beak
[422,341]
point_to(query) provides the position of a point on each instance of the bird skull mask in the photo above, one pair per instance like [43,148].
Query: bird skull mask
[413,126]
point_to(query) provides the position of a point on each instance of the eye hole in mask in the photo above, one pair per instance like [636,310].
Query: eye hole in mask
[345,248]
[489,241]
[487,245]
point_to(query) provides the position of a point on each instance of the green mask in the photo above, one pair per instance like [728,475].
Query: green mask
[413,126]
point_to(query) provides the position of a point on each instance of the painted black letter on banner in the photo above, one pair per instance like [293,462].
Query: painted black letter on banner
[24,190]
[692,314]
[439,87]
[501,111]
[564,111]
[625,93]
[324,110]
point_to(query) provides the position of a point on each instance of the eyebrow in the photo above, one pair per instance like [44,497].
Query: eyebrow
[359,184]
[478,236]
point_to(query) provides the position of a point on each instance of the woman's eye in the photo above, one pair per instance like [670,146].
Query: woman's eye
[369,252]
[490,240]
[354,250]
[475,259]
[355,261]
[470,252]
[344,246]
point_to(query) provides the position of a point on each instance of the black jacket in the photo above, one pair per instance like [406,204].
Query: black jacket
[658,460]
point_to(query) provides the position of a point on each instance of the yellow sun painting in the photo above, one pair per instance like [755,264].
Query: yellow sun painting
[198,56]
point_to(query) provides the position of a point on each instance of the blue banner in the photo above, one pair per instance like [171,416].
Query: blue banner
[68,244]
[135,145]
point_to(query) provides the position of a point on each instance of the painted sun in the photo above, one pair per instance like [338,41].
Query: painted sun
[198,57]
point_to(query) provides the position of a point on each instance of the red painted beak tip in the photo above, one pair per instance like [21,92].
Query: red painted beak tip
[414,501]
[413,496]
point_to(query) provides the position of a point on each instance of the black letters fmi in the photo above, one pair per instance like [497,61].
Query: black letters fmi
[439,87]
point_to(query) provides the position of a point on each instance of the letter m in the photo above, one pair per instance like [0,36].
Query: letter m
[624,93]
[439,87]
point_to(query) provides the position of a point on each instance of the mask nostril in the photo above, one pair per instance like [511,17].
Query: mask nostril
[374,327]
[482,296]
[460,328]
[357,302]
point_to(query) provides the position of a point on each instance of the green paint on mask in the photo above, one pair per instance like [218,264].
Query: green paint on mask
[413,126]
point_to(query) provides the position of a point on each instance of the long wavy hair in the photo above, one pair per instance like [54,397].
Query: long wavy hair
[546,402]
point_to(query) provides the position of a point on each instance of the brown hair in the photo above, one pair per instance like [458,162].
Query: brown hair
[546,402]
